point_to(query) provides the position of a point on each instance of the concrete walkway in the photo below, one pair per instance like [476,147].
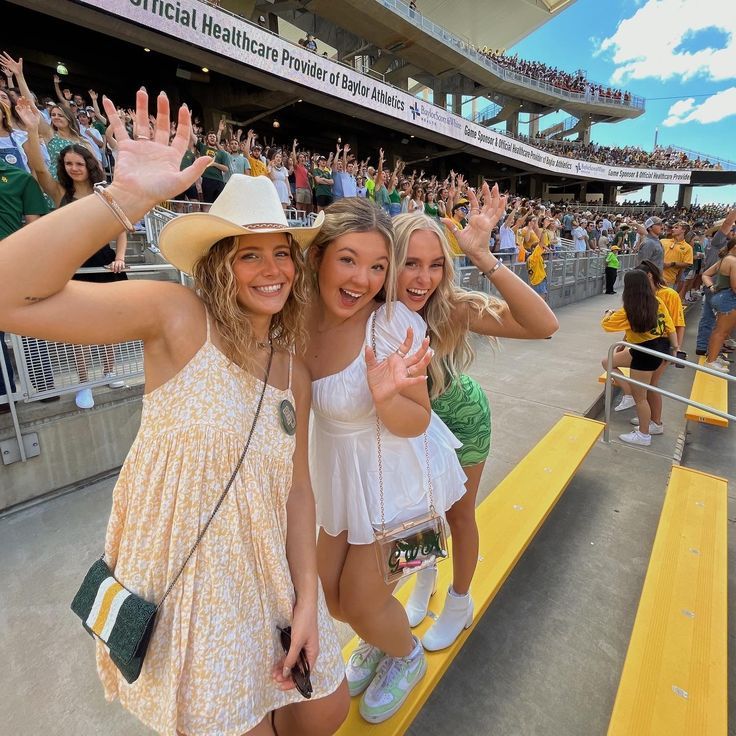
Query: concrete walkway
[545,659]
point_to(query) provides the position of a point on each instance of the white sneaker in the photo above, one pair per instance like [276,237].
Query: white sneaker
[113,382]
[456,616]
[84,399]
[626,403]
[395,678]
[636,438]
[730,344]
[717,365]
[424,587]
[654,428]
[361,667]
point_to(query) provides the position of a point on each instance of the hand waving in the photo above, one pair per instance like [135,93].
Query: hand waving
[474,239]
[400,370]
[148,168]
[28,113]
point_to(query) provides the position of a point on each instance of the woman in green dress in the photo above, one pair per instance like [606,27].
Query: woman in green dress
[426,284]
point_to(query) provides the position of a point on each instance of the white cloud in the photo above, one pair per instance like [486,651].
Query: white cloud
[715,108]
[645,45]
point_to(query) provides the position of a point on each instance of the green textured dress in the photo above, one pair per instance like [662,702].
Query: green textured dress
[464,408]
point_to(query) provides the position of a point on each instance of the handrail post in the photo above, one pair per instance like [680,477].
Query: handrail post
[11,403]
[656,389]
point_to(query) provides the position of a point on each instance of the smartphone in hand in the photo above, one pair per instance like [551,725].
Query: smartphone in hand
[682,356]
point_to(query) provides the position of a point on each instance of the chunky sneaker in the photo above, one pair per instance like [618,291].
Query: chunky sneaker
[626,403]
[395,679]
[636,438]
[730,344]
[717,365]
[425,585]
[654,428]
[361,667]
[456,616]
[84,399]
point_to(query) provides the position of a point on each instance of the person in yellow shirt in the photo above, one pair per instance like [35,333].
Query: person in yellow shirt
[645,321]
[459,214]
[536,269]
[671,299]
[678,254]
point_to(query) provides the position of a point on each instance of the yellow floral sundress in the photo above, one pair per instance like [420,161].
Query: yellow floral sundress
[208,667]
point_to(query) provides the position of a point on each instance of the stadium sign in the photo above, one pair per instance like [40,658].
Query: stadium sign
[220,32]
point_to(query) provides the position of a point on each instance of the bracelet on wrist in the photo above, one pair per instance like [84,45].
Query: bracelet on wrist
[489,274]
[100,189]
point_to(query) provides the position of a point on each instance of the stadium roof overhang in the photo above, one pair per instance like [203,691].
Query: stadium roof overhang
[284,87]
[499,24]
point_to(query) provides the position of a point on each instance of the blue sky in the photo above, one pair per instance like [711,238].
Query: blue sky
[682,50]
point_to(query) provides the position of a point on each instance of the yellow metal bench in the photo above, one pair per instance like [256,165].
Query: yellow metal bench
[508,519]
[674,677]
[602,377]
[711,391]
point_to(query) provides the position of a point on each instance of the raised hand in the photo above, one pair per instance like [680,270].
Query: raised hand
[147,168]
[28,113]
[10,65]
[474,239]
[92,94]
[400,370]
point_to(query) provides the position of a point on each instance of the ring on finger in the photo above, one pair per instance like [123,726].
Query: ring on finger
[142,138]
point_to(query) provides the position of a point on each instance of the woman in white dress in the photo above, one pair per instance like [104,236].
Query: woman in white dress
[353,260]
[279,175]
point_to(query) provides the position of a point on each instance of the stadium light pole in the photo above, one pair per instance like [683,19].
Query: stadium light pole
[656,135]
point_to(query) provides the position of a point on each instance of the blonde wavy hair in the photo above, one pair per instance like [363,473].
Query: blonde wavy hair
[217,286]
[356,215]
[448,335]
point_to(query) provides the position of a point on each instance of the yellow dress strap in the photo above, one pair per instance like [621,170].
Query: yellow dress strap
[291,360]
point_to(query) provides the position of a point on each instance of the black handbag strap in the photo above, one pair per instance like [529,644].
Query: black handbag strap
[229,483]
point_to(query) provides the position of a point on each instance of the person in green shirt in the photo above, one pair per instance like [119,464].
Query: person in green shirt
[612,266]
[323,184]
[213,179]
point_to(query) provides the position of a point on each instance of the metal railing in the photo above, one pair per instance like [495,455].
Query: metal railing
[657,389]
[571,277]
[725,163]
[469,50]
[39,370]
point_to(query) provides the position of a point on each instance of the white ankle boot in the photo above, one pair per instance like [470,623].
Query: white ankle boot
[456,616]
[424,588]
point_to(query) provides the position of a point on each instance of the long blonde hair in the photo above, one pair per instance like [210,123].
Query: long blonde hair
[357,215]
[217,286]
[449,336]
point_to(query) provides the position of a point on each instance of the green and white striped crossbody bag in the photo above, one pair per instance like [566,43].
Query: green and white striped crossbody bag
[119,618]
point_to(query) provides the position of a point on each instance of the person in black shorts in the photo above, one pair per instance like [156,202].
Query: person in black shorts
[646,323]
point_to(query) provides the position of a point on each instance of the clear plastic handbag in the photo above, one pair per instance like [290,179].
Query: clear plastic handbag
[410,546]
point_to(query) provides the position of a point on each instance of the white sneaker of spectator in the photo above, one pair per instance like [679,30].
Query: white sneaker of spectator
[731,344]
[654,428]
[113,382]
[626,403]
[636,438]
[717,365]
[84,399]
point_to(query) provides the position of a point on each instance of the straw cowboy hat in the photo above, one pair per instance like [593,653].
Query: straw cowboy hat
[248,205]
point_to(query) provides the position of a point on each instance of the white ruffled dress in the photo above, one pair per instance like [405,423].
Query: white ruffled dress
[344,453]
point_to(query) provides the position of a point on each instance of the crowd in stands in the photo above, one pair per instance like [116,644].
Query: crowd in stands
[569,82]
[660,158]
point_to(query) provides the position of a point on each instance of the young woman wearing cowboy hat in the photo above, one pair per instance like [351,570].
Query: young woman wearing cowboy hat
[215,663]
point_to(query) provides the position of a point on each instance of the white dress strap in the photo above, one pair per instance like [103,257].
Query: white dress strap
[291,360]
[207,318]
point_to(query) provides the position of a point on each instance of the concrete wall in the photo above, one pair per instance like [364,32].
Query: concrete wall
[76,445]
